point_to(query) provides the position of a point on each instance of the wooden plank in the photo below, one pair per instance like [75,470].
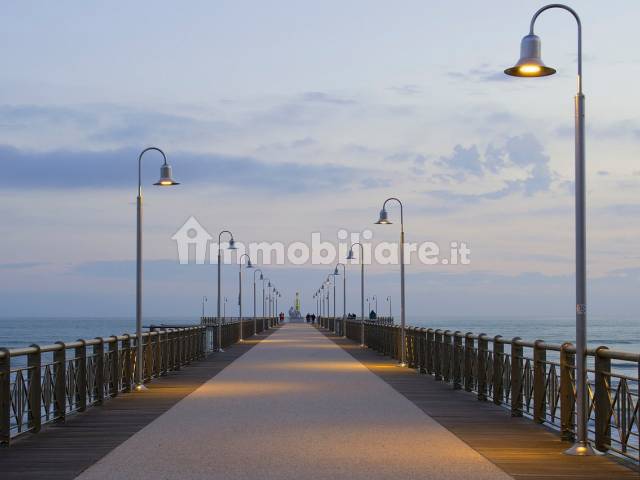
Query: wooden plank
[64,450]
[520,447]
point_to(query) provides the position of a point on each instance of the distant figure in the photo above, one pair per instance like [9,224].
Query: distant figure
[313,318]
[281,317]
[372,315]
[307,317]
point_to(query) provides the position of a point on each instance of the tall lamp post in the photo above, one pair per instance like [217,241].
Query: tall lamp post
[375,297]
[334,293]
[351,257]
[531,65]
[166,180]
[255,316]
[344,293]
[249,265]
[384,220]
[389,300]
[204,299]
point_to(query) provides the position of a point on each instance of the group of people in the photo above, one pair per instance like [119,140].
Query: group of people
[372,315]
[311,318]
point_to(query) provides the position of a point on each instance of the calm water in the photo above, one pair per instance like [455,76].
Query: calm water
[616,333]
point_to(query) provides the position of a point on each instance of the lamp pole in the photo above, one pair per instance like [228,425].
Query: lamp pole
[351,257]
[166,180]
[344,294]
[531,65]
[375,297]
[204,299]
[384,220]
[249,265]
[389,300]
[231,246]
[255,317]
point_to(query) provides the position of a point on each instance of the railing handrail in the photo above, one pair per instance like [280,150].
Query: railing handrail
[569,347]
[17,352]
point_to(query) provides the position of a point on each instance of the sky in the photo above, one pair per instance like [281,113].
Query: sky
[285,118]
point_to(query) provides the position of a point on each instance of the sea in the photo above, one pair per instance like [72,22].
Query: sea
[617,333]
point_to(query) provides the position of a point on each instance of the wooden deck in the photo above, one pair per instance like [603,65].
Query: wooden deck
[64,450]
[518,446]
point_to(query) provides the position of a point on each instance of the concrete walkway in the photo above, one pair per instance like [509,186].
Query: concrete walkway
[296,406]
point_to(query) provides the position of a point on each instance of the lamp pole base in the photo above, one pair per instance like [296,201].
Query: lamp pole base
[582,449]
[140,388]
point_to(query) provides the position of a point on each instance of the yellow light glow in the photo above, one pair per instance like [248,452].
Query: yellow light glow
[166,182]
[529,69]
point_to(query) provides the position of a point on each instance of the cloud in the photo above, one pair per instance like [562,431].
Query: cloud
[407,90]
[482,73]
[523,153]
[463,162]
[21,265]
[322,97]
[117,168]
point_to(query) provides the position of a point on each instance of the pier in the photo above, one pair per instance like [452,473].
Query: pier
[301,401]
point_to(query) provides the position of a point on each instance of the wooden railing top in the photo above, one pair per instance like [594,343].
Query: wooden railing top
[602,351]
[16,352]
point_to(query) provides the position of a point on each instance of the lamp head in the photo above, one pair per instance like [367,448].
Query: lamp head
[350,254]
[249,264]
[384,218]
[336,272]
[269,284]
[232,244]
[261,276]
[530,63]
[166,179]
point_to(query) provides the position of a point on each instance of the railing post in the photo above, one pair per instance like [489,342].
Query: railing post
[539,381]
[447,356]
[59,390]
[98,358]
[517,355]
[457,357]
[127,366]
[498,369]
[34,363]
[164,343]
[148,356]
[5,396]
[422,341]
[437,355]
[81,369]
[157,357]
[567,396]
[177,343]
[430,350]
[483,348]
[114,381]
[468,361]
[602,403]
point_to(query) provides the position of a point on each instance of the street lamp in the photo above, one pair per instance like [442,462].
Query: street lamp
[344,293]
[166,180]
[231,246]
[376,300]
[249,265]
[531,65]
[389,300]
[224,314]
[384,220]
[351,257]
[204,299]
[255,317]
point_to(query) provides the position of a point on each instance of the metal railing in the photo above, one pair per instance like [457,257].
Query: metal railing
[532,379]
[231,329]
[42,384]
[337,324]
